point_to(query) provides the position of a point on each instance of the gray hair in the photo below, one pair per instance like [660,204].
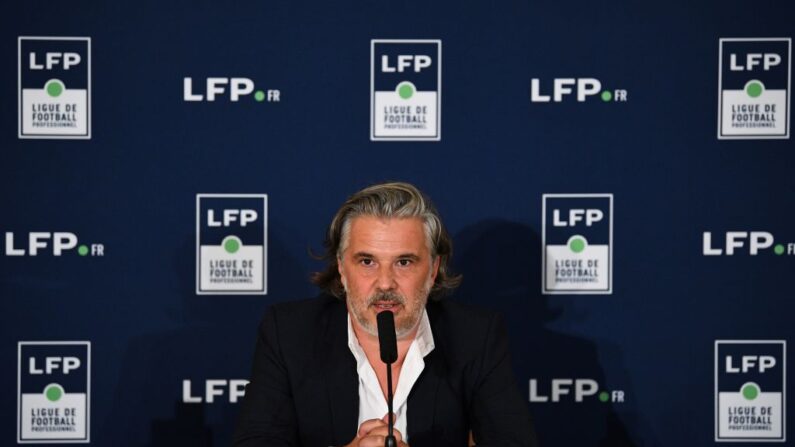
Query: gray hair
[387,200]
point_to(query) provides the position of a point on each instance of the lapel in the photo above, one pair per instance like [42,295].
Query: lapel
[422,398]
[339,370]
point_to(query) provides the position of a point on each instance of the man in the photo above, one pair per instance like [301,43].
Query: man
[318,379]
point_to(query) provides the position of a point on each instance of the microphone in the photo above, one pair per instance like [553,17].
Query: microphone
[387,343]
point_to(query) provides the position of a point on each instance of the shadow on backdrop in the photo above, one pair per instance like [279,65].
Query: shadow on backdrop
[501,264]
[210,337]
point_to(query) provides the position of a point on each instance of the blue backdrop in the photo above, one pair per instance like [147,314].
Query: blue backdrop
[132,187]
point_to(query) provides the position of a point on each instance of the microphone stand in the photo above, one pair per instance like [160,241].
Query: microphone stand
[387,345]
[390,439]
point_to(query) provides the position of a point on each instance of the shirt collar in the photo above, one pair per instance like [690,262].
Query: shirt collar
[423,339]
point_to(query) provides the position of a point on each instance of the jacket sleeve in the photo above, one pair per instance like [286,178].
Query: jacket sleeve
[267,416]
[499,415]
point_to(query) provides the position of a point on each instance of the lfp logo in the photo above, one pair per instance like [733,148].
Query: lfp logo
[231,244]
[580,89]
[730,243]
[53,391]
[55,243]
[405,90]
[213,391]
[577,243]
[750,384]
[229,89]
[753,88]
[571,389]
[54,87]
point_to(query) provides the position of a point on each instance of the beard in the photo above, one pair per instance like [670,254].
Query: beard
[405,322]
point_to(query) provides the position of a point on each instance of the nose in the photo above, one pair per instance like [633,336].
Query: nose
[386,278]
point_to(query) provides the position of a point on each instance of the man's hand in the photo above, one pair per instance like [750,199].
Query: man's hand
[372,433]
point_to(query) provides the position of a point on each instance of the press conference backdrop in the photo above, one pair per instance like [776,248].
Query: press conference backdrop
[617,177]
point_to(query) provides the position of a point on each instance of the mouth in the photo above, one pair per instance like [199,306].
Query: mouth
[381,306]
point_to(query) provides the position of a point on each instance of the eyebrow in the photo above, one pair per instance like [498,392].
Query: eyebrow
[363,254]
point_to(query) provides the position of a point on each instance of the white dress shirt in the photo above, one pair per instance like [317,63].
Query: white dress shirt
[372,403]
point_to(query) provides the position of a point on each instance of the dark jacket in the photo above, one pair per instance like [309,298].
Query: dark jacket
[304,388]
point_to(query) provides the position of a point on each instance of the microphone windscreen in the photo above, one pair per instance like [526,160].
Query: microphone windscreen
[387,339]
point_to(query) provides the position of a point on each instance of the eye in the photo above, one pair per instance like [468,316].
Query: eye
[404,262]
[367,262]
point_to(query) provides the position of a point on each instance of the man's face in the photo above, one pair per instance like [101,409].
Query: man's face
[387,266]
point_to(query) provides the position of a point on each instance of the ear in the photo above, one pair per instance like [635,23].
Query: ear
[342,274]
[435,268]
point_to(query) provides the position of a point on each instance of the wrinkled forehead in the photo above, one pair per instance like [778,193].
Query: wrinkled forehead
[386,236]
